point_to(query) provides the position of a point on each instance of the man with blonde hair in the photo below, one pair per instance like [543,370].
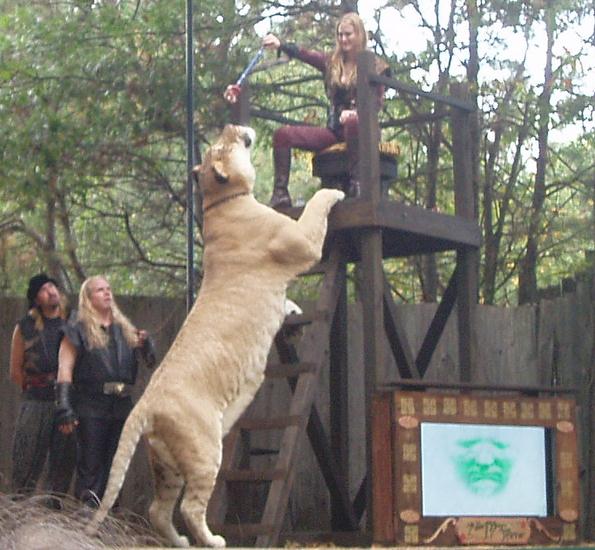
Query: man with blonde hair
[98,364]
[33,367]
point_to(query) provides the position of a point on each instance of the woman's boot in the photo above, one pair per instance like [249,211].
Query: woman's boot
[282,165]
[352,186]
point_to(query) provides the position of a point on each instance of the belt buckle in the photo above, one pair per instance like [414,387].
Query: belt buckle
[114,388]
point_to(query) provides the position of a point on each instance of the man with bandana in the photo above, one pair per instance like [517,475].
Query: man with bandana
[33,367]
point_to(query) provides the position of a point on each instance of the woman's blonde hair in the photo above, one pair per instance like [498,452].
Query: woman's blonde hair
[336,66]
[87,314]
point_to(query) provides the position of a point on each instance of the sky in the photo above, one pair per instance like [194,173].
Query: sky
[402,33]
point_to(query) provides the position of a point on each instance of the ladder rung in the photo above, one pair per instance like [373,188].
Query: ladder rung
[257,451]
[288,370]
[278,423]
[317,269]
[241,530]
[252,475]
[299,319]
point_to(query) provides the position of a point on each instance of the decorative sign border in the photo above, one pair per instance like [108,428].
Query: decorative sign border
[408,409]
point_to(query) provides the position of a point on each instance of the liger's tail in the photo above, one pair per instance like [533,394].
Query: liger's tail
[131,433]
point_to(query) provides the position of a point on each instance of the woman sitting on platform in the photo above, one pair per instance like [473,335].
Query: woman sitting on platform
[339,70]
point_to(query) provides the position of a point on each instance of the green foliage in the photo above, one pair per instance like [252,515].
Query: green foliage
[94,128]
[92,132]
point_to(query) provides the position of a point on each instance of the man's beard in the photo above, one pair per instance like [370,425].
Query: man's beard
[53,306]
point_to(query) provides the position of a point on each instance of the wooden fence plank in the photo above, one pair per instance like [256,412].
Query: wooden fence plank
[521,354]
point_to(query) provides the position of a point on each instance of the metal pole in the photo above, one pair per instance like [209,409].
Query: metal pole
[189,159]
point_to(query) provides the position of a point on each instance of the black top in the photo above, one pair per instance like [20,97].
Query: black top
[40,357]
[342,97]
[41,347]
[116,362]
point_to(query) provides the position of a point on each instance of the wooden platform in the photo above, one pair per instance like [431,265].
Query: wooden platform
[407,229]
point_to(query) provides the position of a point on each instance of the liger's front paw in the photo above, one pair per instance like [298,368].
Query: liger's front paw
[331,195]
[340,195]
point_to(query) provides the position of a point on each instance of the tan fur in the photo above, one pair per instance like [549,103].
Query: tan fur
[217,361]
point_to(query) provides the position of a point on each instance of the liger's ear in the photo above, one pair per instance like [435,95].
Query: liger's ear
[220,172]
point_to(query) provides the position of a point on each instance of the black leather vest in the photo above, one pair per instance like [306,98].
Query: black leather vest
[115,362]
[41,347]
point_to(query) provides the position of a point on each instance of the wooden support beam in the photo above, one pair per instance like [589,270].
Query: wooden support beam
[467,258]
[372,292]
[466,313]
[369,130]
[397,337]
[339,398]
[436,328]
[589,437]
[359,502]
[403,87]
[343,515]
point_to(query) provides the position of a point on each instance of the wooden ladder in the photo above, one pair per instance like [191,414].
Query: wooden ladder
[275,482]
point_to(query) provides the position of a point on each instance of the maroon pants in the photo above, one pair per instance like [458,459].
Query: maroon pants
[312,138]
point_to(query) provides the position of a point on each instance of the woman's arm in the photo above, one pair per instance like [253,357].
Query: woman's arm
[311,57]
[271,42]
[17,357]
[146,347]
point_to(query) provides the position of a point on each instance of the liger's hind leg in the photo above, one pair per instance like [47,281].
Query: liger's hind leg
[202,460]
[168,485]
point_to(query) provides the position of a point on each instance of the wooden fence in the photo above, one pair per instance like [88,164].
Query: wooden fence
[551,343]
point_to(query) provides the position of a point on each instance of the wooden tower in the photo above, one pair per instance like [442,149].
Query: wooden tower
[366,231]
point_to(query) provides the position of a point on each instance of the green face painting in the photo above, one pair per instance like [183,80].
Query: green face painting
[483,465]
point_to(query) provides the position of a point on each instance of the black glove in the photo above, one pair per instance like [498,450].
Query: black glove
[64,412]
[146,353]
[289,48]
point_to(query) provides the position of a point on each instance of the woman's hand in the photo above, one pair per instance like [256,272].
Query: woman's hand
[232,92]
[146,348]
[68,427]
[348,115]
[141,338]
[271,42]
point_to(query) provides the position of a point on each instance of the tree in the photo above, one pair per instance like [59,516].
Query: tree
[92,131]
[528,271]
